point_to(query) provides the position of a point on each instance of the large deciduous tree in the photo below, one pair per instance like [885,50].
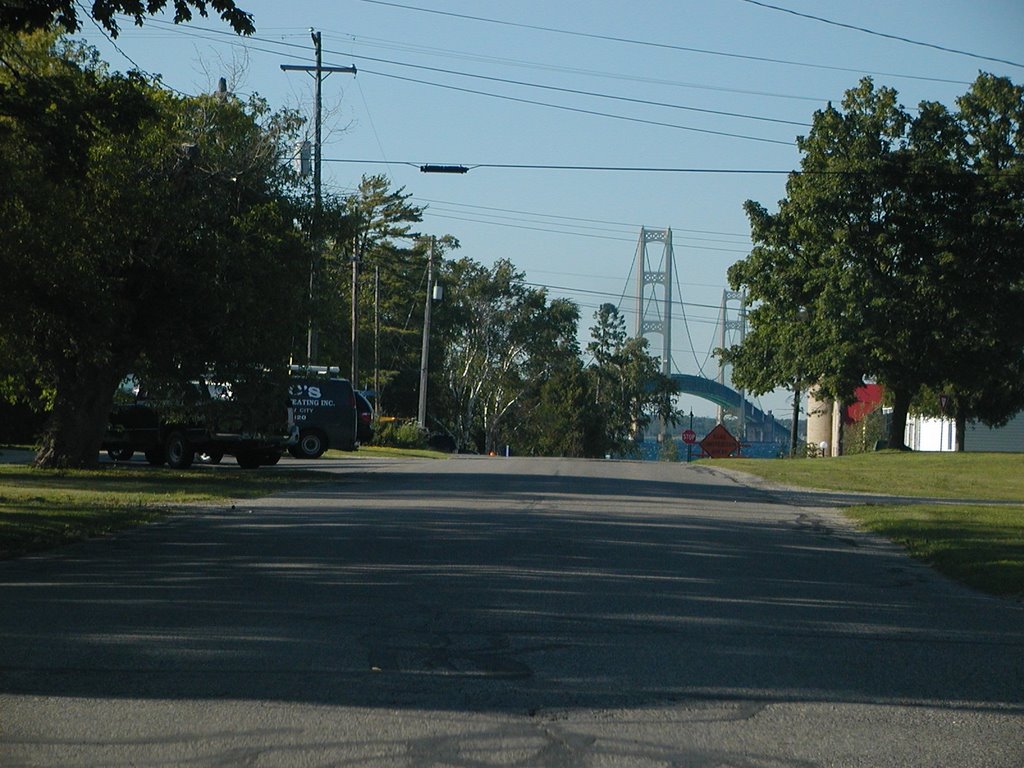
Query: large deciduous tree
[142,231]
[896,254]
[34,15]
[494,337]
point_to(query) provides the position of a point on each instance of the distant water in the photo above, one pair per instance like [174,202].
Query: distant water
[650,450]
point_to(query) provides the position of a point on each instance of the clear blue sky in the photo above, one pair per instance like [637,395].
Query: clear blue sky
[494,83]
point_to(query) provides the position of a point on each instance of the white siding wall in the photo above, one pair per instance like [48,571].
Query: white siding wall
[1008,439]
[928,434]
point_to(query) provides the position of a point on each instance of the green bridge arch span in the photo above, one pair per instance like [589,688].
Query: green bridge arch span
[727,397]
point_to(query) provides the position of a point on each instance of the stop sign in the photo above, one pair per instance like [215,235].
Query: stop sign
[689,436]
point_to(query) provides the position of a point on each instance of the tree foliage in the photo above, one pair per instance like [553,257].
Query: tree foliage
[494,337]
[895,254]
[374,227]
[560,417]
[143,232]
[627,381]
[66,15]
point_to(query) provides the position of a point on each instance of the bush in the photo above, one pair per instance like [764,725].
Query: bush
[668,451]
[400,434]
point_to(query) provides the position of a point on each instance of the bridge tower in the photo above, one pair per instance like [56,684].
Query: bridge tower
[739,325]
[654,290]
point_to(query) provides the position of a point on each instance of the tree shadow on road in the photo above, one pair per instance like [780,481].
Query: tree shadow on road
[502,591]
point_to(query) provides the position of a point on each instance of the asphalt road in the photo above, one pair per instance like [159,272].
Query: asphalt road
[505,612]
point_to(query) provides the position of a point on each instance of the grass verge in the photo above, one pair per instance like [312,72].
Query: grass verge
[981,546]
[976,544]
[974,476]
[395,453]
[42,509]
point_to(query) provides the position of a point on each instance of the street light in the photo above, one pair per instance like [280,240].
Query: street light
[443,168]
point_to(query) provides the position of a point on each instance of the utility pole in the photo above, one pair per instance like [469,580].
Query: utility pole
[354,375]
[421,418]
[376,328]
[318,71]
[794,430]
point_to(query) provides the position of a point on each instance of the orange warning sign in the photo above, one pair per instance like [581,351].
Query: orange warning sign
[720,444]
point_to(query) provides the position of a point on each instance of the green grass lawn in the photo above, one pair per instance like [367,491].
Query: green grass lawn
[979,545]
[366,451]
[41,509]
[977,476]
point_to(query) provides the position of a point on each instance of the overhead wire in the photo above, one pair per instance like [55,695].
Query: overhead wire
[580,92]
[610,233]
[898,38]
[631,225]
[573,221]
[246,43]
[578,110]
[113,44]
[369,116]
[211,34]
[618,168]
[362,40]
[652,44]
[573,234]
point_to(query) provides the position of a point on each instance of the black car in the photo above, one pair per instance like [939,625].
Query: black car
[325,412]
[174,421]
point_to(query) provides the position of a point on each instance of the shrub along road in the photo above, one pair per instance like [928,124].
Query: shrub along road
[487,611]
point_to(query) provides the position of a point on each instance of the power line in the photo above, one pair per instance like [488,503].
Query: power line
[865,30]
[622,168]
[619,235]
[527,64]
[662,169]
[234,40]
[575,234]
[631,225]
[717,286]
[578,92]
[579,110]
[571,221]
[113,43]
[532,102]
[651,44]
[590,292]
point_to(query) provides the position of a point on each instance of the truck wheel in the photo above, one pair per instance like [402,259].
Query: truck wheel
[120,454]
[155,456]
[270,458]
[248,459]
[312,445]
[180,454]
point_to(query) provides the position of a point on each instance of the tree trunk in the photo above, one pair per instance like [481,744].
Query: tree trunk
[78,421]
[898,427]
[794,430]
[961,423]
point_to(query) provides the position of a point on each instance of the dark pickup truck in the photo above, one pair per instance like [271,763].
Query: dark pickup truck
[173,422]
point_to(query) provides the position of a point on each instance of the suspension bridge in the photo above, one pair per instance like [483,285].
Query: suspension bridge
[656,278]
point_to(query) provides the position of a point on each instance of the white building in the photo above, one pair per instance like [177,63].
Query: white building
[930,434]
[926,433]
